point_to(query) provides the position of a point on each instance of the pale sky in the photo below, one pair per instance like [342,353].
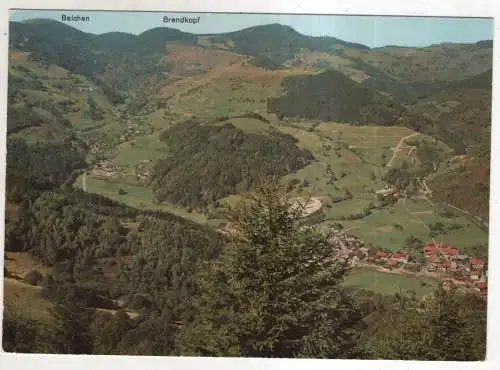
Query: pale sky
[373,31]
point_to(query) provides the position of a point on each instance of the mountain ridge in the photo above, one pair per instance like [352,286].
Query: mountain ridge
[488,43]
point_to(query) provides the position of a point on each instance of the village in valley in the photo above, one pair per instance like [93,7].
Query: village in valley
[438,260]
[434,260]
[431,259]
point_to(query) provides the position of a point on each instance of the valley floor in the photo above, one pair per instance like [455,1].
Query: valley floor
[357,165]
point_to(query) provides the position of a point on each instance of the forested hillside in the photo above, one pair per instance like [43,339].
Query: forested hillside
[280,43]
[461,114]
[331,96]
[53,162]
[461,117]
[113,60]
[104,251]
[206,163]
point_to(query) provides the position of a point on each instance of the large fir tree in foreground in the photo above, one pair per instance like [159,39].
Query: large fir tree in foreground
[275,290]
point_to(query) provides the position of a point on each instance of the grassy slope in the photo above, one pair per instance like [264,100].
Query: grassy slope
[386,283]
[129,154]
[59,86]
[136,196]
[230,90]
[429,63]
[22,299]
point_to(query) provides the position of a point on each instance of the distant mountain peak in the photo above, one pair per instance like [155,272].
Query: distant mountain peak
[46,25]
[40,21]
[280,26]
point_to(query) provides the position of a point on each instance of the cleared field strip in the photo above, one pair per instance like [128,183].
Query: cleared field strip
[387,283]
[136,196]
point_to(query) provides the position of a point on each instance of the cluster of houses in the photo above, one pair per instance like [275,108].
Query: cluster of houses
[107,169]
[98,148]
[82,87]
[388,259]
[445,261]
[460,269]
[389,191]
[351,247]
[440,260]
[142,170]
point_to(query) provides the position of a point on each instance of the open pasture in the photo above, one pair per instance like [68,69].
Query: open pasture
[137,196]
[146,147]
[24,301]
[388,283]
[229,90]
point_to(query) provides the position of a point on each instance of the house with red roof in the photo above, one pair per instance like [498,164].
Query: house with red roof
[381,255]
[391,264]
[477,263]
[431,249]
[400,256]
[475,275]
[439,248]
[449,251]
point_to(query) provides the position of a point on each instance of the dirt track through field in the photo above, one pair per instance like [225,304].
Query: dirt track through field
[397,148]
[423,213]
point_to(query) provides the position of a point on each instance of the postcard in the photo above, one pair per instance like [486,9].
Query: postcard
[270,186]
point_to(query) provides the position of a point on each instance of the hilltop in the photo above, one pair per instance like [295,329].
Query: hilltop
[332,96]
[281,43]
[421,70]
[222,160]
